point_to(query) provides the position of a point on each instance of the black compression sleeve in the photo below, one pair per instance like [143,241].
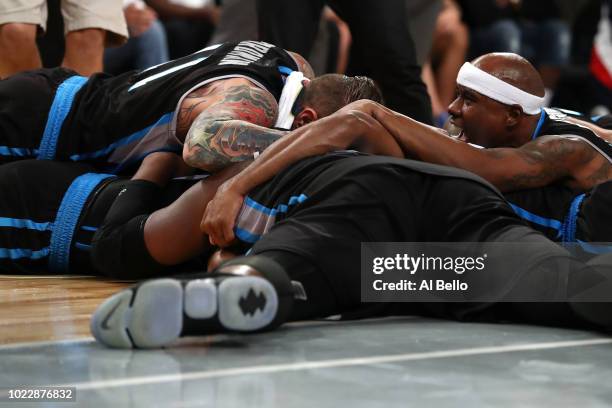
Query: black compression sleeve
[118,247]
[136,198]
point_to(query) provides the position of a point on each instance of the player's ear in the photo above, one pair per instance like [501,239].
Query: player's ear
[304,117]
[513,115]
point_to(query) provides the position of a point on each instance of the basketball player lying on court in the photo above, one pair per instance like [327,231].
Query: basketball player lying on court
[216,106]
[498,106]
[304,229]
[305,225]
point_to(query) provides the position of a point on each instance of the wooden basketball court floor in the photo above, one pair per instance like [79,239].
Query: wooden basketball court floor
[394,362]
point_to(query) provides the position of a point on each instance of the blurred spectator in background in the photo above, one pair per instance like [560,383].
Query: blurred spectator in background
[382,47]
[189,24]
[601,62]
[332,46]
[89,26]
[531,28]
[422,16]
[584,86]
[448,53]
[147,45]
[237,22]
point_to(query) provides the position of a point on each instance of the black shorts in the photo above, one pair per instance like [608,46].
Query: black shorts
[25,101]
[595,216]
[386,203]
[42,227]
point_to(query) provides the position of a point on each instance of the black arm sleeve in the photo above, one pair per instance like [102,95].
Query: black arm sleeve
[118,247]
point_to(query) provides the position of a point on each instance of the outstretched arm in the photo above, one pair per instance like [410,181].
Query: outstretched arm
[231,130]
[538,163]
[346,128]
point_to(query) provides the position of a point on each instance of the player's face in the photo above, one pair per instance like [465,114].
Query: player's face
[481,119]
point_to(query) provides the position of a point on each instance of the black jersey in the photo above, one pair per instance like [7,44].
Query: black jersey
[307,181]
[113,122]
[553,122]
[547,209]
[566,216]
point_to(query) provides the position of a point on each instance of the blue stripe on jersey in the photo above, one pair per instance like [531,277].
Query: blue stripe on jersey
[261,208]
[67,218]
[167,118]
[282,208]
[19,253]
[594,249]
[538,128]
[86,228]
[25,224]
[18,151]
[62,103]
[256,219]
[536,219]
[569,226]
[285,70]
[246,236]
[82,247]
[116,169]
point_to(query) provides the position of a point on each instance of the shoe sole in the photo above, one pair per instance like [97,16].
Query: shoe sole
[152,314]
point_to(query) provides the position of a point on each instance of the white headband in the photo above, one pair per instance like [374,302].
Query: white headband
[496,89]
[291,90]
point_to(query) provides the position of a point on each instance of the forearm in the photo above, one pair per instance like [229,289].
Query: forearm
[507,169]
[335,132]
[213,145]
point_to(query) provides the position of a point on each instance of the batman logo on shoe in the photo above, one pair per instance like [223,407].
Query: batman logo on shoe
[252,302]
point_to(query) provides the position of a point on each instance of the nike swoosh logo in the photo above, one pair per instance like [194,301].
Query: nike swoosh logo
[104,324]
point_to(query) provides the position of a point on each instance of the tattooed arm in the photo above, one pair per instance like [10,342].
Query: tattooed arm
[538,163]
[232,129]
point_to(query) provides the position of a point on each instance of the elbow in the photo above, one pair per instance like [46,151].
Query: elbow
[199,159]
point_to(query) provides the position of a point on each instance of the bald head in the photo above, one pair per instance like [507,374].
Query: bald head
[512,69]
[302,64]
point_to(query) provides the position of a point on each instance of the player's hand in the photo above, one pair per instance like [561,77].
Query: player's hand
[220,216]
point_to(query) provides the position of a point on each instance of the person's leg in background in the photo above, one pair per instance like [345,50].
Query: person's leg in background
[383,49]
[289,24]
[236,22]
[547,45]
[89,27]
[148,49]
[450,44]
[501,36]
[19,23]
[84,51]
[152,47]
